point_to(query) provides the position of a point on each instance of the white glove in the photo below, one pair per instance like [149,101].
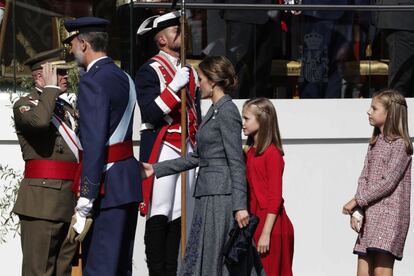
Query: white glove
[357,214]
[84,206]
[80,223]
[182,76]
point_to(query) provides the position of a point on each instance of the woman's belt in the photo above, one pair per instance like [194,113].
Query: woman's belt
[209,162]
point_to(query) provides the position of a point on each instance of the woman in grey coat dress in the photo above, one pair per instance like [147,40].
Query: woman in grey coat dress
[220,190]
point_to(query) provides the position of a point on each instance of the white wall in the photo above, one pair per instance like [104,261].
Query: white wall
[325,143]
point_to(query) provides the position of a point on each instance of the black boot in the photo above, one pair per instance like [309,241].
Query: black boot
[155,238]
[172,247]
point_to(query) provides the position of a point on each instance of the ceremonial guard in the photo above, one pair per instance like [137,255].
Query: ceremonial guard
[110,187]
[45,126]
[158,83]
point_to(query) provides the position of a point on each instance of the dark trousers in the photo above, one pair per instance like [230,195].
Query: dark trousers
[401,53]
[162,241]
[109,245]
[46,251]
[326,46]
[250,49]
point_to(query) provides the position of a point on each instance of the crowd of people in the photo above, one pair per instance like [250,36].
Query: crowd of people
[83,185]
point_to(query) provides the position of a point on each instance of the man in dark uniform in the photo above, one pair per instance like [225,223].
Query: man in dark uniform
[45,201]
[158,83]
[251,37]
[398,28]
[327,44]
[110,179]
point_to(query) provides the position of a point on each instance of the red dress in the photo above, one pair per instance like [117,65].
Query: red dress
[264,175]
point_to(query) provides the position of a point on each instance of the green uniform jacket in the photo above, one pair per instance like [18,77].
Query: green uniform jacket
[39,139]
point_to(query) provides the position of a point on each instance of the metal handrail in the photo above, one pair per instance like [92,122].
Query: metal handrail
[225,6]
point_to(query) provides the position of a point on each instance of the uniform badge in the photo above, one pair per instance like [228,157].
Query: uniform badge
[314,59]
[24,108]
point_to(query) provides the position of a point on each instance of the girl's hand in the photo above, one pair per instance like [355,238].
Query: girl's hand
[242,218]
[357,219]
[263,244]
[355,224]
[348,208]
[146,170]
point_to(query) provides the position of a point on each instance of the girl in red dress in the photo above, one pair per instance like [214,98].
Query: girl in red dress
[264,169]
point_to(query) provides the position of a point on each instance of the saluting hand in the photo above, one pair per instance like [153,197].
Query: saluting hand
[146,170]
[49,74]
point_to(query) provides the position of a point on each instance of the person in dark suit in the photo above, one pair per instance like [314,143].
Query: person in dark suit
[110,182]
[398,28]
[45,200]
[221,190]
[159,82]
[327,42]
[250,40]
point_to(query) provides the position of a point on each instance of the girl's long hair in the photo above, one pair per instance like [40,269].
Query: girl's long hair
[396,122]
[268,132]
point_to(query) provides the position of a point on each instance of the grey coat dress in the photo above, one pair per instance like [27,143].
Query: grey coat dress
[220,188]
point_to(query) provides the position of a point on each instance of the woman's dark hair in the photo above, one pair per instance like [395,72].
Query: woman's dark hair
[220,70]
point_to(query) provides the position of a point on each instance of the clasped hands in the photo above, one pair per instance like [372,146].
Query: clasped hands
[81,221]
[351,208]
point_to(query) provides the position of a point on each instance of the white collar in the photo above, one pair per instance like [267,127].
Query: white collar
[93,62]
[174,61]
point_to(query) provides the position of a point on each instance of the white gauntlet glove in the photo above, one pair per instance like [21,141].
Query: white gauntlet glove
[182,76]
[83,208]
[81,221]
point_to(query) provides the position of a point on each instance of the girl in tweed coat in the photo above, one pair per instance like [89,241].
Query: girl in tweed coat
[382,200]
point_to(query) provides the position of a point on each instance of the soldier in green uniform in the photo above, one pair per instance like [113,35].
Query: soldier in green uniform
[45,203]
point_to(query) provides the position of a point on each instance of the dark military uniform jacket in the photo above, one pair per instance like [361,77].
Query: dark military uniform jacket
[39,139]
[396,20]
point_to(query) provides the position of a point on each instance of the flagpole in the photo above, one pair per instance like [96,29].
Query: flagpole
[183,134]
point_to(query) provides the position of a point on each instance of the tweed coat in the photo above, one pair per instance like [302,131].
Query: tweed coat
[220,187]
[384,190]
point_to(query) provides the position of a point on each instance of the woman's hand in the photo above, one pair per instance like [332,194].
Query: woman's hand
[263,245]
[242,218]
[348,208]
[146,170]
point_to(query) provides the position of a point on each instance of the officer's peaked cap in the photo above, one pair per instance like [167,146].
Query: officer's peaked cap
[55,56]
[157,23]
[84,25]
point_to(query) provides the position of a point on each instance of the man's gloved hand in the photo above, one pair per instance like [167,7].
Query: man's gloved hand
[84,206]
[182,76]
[81,221]
[79,227]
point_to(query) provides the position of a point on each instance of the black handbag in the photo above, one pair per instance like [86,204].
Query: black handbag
[240,254]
